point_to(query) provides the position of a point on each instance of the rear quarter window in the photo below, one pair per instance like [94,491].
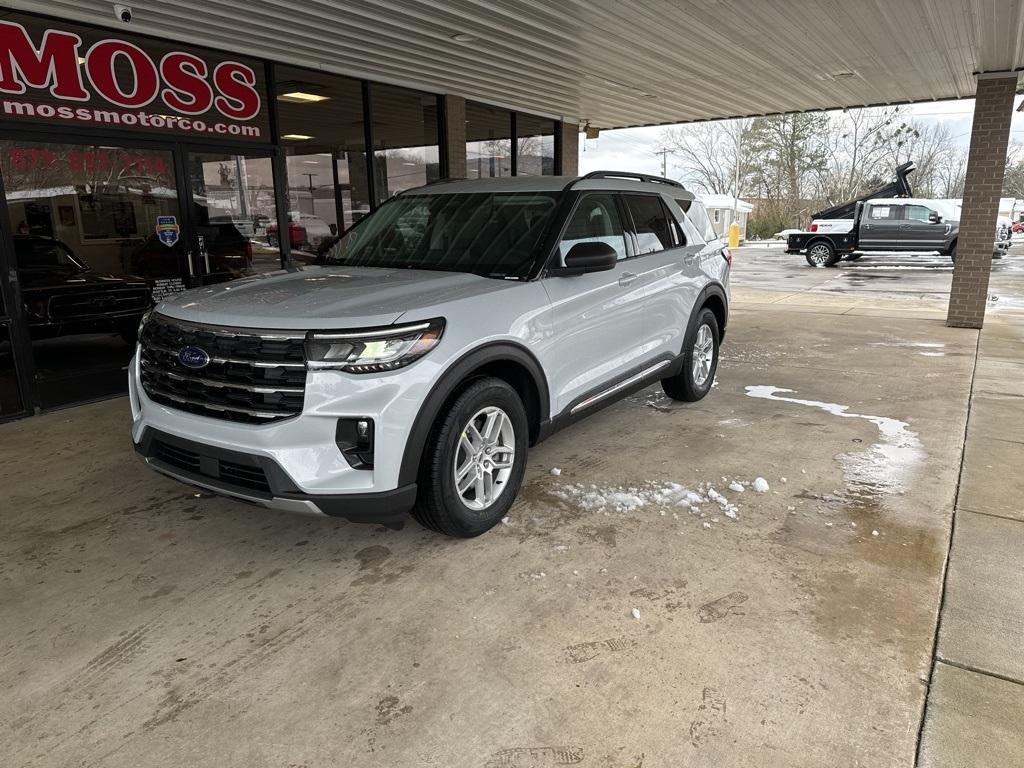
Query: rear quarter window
[698,216]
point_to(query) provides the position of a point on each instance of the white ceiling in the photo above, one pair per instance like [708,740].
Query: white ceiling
[613,62]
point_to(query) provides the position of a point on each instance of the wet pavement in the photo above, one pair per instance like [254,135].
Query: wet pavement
[924,277]
[146,624]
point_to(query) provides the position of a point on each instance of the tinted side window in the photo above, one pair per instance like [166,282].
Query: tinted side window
[698,216]
[916,213]
[596,218]
[650,220]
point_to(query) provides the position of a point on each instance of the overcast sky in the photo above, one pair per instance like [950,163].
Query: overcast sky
[632,149]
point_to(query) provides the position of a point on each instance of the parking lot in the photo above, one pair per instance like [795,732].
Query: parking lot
[147,624]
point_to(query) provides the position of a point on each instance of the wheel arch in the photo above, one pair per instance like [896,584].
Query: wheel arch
[508,361]
[713,297]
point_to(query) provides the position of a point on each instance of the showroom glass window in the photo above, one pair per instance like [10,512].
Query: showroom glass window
[322,131]
[88,257]
[488,141]
[535,139]
[405,139]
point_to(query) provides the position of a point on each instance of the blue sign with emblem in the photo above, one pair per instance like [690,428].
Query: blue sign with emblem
[167,230]
[193,357]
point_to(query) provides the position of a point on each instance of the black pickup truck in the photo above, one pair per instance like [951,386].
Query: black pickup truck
[881,224]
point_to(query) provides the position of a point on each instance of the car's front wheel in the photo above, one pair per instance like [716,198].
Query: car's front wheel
[700,361]
[474,460]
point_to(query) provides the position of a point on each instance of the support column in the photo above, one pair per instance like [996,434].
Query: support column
[569,148]
[455,136]
[986,164]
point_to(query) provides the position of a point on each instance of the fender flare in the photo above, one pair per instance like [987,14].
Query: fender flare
[717,290]
[451,380]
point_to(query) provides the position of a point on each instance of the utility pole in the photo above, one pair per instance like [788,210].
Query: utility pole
[664,161]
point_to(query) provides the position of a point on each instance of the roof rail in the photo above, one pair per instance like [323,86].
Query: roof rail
[635,176]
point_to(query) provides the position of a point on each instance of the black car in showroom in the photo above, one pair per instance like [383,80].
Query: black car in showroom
[63,296]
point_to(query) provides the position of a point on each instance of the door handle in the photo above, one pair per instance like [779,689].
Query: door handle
[626,278]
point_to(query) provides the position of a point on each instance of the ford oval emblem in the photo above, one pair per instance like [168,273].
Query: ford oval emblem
[193,357]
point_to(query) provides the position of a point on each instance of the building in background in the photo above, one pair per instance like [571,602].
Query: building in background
[720,211]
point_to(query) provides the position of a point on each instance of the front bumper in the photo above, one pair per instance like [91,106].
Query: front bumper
[260,480]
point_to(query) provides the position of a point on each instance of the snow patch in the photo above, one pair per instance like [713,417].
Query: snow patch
[760,485]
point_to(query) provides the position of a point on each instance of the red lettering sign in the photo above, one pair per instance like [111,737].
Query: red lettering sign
[123,74]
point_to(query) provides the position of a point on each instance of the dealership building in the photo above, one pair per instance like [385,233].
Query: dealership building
[134,166]
[144,151]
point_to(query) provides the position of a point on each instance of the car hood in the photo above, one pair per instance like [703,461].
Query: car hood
[325,297]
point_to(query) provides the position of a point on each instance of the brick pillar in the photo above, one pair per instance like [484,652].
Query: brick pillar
[455,136]
[569,160]
[986,163]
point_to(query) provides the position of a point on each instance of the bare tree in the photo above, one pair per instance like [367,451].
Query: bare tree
[855,148]
[710,153]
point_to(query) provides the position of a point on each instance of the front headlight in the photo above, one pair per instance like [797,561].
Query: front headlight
[373,351]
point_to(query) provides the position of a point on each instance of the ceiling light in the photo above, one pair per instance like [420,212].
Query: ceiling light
[301,97]
[297,137]
[310,162]
[463,37]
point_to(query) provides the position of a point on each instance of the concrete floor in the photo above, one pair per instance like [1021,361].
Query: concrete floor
[146,624]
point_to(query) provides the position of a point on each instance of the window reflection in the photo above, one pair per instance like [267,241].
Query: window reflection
[323,135]
[405,139]
[488,141]
[535,137]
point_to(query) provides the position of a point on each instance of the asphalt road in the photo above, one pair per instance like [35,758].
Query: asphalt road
[922,277]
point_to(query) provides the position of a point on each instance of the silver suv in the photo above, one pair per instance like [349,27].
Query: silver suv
[439,338]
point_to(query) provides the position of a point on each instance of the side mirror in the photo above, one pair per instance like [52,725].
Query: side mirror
[934,218]
[593,256]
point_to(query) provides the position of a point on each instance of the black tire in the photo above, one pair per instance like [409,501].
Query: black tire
[684,386]
[952,253]
[821,253]
[439,506]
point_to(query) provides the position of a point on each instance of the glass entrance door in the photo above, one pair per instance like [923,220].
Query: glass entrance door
[96,234]
[233,215]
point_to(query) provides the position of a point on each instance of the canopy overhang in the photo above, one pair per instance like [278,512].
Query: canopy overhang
[610,62]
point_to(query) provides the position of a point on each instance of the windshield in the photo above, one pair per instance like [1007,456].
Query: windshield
[35,253]
[490,234]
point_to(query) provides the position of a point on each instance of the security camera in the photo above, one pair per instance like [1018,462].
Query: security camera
[123,14]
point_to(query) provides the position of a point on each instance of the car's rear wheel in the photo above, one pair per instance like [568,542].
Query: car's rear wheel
[700,361]
[474,461]
[821,254]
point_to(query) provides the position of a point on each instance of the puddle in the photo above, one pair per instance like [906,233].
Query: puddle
[881,469]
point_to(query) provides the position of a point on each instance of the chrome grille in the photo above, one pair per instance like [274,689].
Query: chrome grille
[253,376]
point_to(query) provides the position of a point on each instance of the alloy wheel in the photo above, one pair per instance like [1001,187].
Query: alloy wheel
[703,355]
[484,458]
[819,254]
